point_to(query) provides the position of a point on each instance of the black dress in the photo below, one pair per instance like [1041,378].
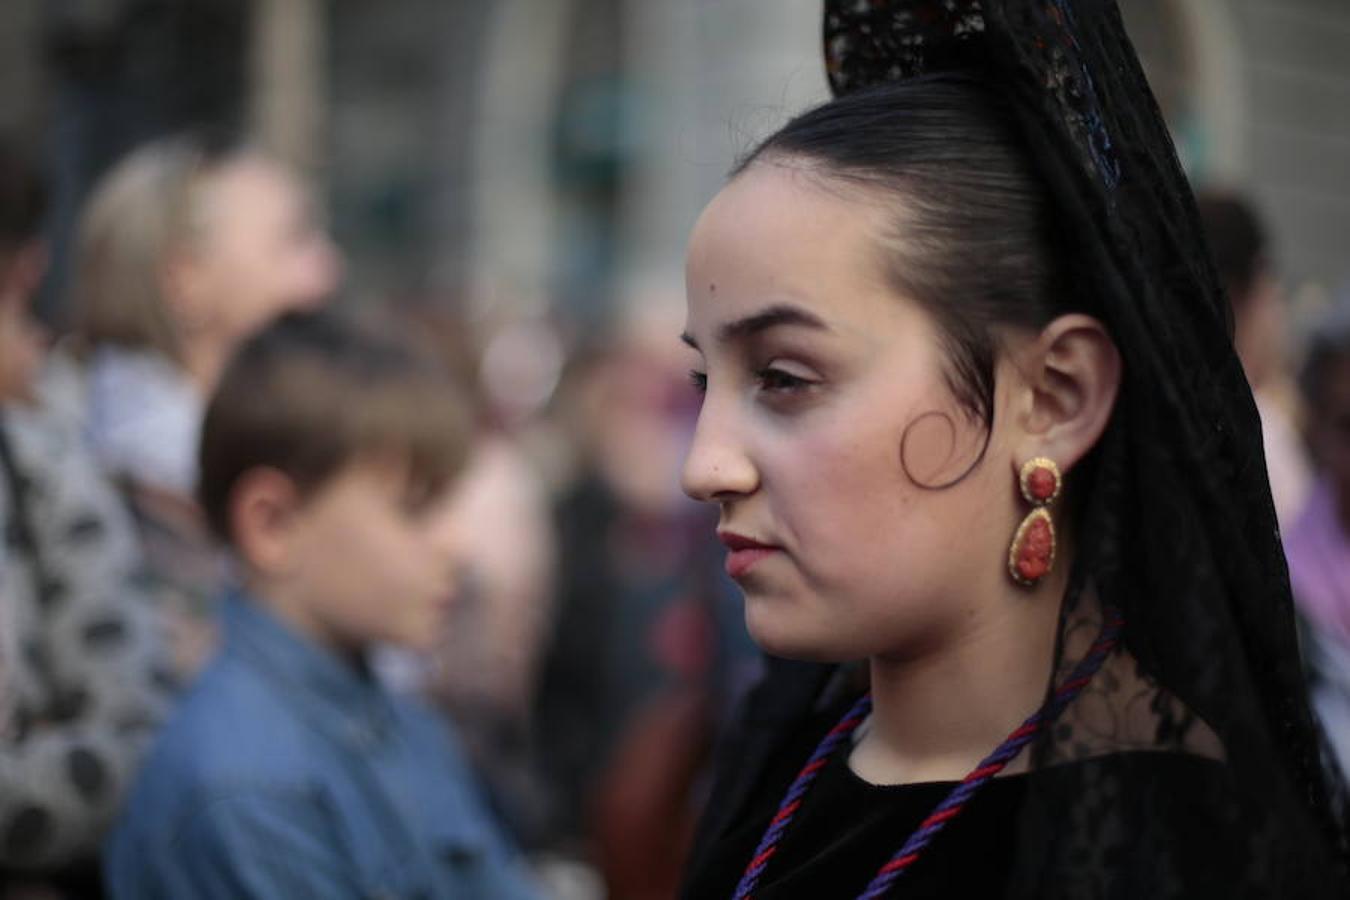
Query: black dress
[847,828]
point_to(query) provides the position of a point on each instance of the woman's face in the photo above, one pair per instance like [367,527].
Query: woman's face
[825,415]
[261,253]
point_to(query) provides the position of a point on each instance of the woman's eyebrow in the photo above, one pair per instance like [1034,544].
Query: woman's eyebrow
[771,317]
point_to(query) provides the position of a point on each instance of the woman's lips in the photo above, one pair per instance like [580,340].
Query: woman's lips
[743,552]
[740,562]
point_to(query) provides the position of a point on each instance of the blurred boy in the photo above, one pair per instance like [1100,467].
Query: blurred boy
[327,462]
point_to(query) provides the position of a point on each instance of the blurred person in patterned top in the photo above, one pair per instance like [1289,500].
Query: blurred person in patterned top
[83,673]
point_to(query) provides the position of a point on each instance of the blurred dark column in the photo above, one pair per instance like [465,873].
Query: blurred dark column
[515,208]
[22,82]
[124,71]
[404,108]
[288,96]
[592,147]
[457,103]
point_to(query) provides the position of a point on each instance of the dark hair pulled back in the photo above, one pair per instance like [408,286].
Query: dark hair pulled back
[971,236]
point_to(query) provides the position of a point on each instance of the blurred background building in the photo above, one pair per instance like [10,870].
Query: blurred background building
[531,157]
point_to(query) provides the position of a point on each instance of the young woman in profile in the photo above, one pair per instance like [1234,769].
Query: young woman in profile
[973,420]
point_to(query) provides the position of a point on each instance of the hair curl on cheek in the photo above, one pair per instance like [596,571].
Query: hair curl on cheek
[937,474]
[970,353]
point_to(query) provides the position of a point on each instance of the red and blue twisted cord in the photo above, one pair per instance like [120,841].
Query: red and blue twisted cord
[955,802]
[793,799]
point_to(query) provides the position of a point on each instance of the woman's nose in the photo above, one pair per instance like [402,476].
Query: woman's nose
[717,468]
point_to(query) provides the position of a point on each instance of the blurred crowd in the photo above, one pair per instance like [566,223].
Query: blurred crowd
[1299,371]
[589,647]
[168,461]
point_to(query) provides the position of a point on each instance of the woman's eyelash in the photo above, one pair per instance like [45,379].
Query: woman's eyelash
[778,381]
[772,380]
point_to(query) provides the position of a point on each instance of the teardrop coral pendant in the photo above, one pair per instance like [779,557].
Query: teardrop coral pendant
[1032,553]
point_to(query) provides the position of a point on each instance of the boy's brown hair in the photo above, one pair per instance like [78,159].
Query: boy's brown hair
[314,392]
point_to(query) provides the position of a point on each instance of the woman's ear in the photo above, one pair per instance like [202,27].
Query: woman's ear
[1073,372]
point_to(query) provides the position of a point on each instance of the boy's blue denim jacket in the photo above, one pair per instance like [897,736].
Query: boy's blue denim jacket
[286,773]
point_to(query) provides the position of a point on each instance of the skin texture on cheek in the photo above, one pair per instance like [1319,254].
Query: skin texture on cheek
[940,447]
[861,537]
[888,510]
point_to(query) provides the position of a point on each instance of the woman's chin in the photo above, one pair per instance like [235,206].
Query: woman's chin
[773,630]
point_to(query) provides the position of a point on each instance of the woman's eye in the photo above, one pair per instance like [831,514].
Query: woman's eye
[777,381]
[769,380]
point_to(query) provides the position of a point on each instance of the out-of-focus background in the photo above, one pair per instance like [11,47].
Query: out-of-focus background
[519,177]
[526,157]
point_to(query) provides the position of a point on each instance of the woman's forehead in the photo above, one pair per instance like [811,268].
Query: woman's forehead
[779,200]
[774,240]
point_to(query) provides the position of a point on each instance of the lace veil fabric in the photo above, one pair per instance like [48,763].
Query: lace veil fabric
[1178,530]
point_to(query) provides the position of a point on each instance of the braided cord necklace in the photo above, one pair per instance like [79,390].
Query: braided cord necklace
[960,795]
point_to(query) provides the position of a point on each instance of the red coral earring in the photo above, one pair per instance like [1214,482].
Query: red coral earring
[1032,553]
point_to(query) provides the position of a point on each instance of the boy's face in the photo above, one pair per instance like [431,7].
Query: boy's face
[362,566]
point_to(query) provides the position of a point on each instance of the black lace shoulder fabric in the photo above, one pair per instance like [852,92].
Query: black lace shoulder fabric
[847,828]
[1178,529]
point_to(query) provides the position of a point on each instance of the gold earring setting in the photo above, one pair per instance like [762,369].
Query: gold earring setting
[1031,555]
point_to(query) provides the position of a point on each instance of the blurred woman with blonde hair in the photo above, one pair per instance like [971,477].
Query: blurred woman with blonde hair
[187,247]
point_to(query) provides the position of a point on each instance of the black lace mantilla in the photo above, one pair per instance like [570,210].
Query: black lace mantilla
[1180,531]
[1178,528]
[872,41]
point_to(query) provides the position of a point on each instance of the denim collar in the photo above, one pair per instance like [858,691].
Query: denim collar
[336,695]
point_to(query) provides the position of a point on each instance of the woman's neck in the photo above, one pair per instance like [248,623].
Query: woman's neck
[936,714]
[204,360]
